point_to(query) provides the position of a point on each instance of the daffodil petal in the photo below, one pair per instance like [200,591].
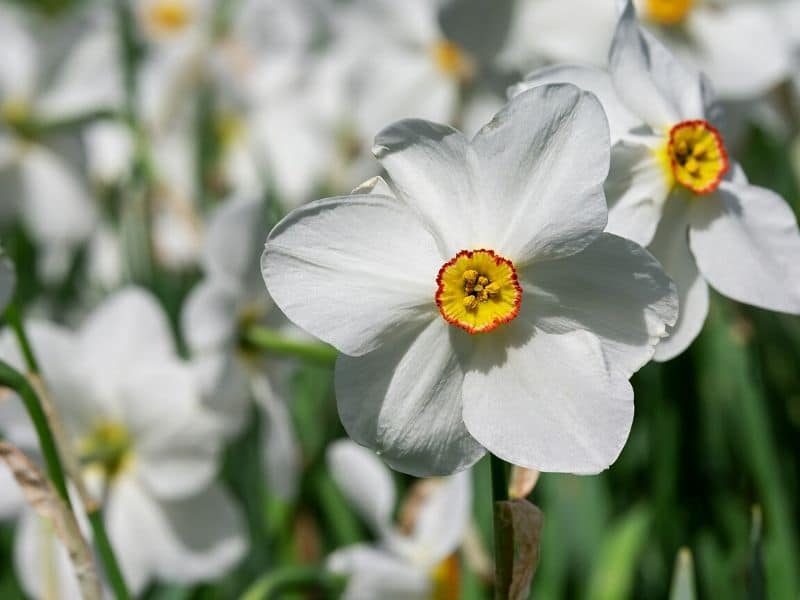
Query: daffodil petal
[177,443]
[444,516]
[352,270]
[671,247]
[746,243]
[404,400]
[542,161]
[374,573]
[648,78]
[615,289]
[365,482]
[546,401]
[592,79]
[429,169]
[637,188]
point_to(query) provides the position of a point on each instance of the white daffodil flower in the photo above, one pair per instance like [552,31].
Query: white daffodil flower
[421,57]
[419,563]
[707,34]
[670,172]
[292,128]
[482,307]
[8,279]
[40,181]
[147,447]
[228,299]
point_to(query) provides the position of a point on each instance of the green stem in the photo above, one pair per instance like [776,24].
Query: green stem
[273,342]
[13,318]
[106,551]
[11,378]
[292,578]
[499,479]
[499,494]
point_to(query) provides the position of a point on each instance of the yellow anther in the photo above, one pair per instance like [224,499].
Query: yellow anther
[169,16]
[483,280]
[668,12]
[492,289]
[478,287]
[452,60]
[471,276]
[470,302]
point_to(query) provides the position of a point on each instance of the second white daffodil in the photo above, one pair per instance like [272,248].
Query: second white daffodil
[671,173]
[478,305]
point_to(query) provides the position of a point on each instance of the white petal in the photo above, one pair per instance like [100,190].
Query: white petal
[545,401]
[209,316]
[109,150]
[206,536]
[176,443]
[403,83]
[222,384]
[19,69]
[591,79]
[373,573]
[136,532]
[614,289]
[636,189]
[671,247]
[738,71]
[41,561]
[352,270]
[365,482]
[8,280]
[60,359]
[235,233]
[443,518]
[128,328]
[542,163]
[429,169]
[57,206]
[11,499]
[88,79]
[404,401]
[565,30]
[280,450]
[747,246]
[651,82]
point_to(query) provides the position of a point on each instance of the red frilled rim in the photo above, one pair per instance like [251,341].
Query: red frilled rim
[498,260]
[720,144]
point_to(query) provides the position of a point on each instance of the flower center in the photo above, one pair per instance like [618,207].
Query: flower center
[697,156]
[446,579]
[668,12]
[452,60]
[168,16]
[478,291]
[107,447]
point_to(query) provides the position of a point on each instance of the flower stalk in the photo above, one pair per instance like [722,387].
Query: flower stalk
[273,342]
[292,578]
[13,379]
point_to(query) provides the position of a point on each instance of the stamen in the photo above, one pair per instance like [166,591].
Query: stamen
[478,291]
[668,12]
[697,156]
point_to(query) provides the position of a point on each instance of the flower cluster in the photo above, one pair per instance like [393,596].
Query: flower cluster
[234,232]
